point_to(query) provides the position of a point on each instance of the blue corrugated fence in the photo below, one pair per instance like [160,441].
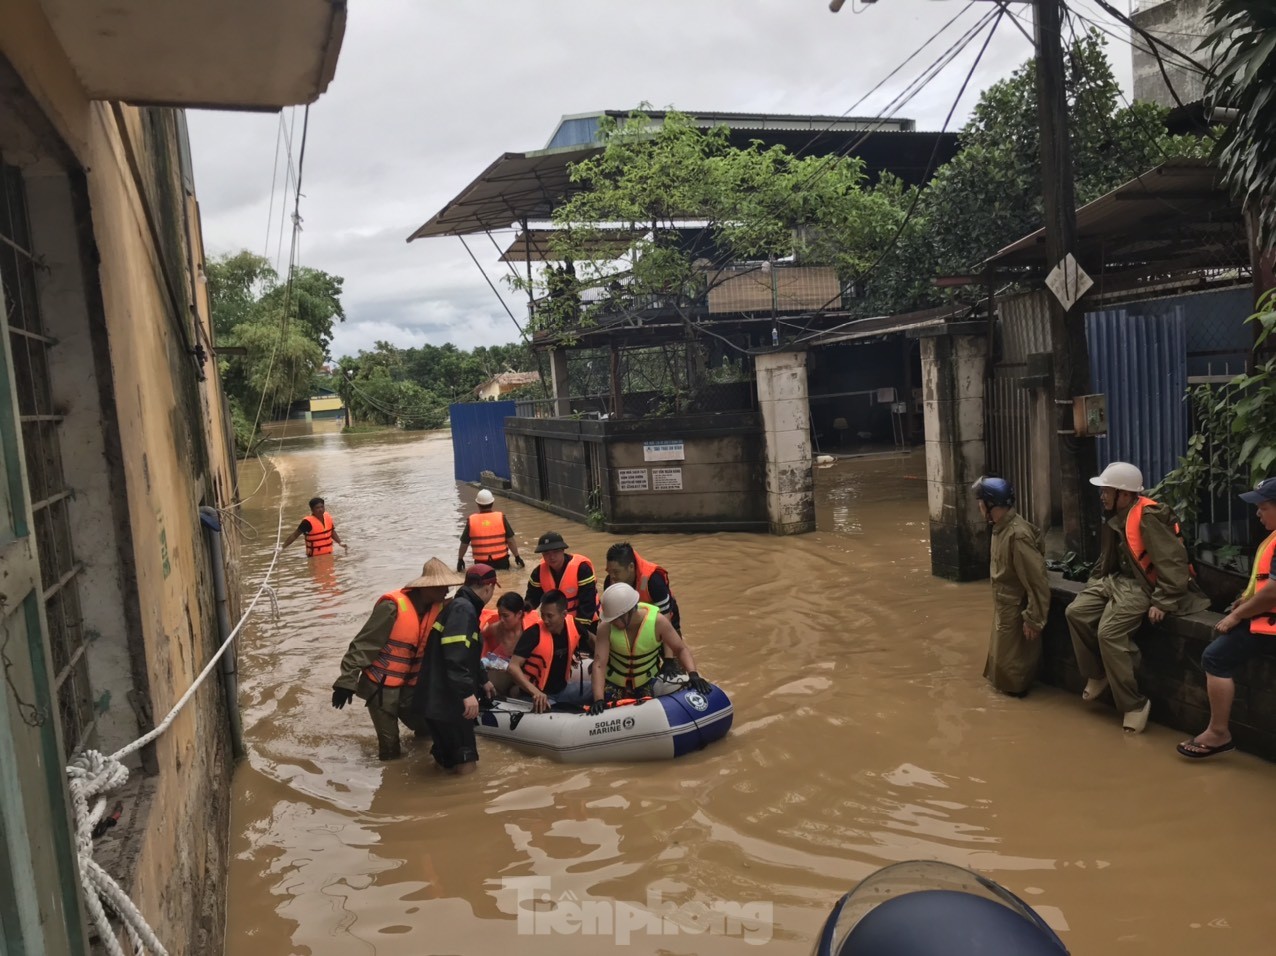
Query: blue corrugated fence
[478,438]
[1140,363]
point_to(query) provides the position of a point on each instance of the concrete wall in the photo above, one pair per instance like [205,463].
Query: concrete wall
[954,368]
[1181,24]
[149,445]
[574,467]
[1171,673]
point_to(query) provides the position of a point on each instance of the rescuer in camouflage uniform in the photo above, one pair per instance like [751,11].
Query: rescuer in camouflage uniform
[1021,591]
[1143,572]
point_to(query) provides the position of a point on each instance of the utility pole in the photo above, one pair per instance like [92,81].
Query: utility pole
[1070,352]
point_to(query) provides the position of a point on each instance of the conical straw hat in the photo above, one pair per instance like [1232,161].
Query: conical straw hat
[436,574]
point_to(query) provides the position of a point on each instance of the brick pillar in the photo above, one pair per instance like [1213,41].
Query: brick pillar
[786,426]
[954,366]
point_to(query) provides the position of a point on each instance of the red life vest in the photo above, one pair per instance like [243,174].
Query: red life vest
[487,537]
[537,665]
[1263,623]
[399,663]
[644,570]
[1134,539]
[569,585]
[319,537]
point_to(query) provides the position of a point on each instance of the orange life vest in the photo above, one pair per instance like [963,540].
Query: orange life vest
[487,537]
[319,537]
[643,572]
[1134,539]
[569,585]
[1263,623]
[399,663]
[536,667]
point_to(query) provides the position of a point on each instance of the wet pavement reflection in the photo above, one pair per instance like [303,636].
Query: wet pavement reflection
[863,735]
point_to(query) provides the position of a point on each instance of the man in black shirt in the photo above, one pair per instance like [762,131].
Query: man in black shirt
[543,663]
[452,674]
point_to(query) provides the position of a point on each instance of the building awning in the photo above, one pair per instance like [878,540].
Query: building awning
[232,54]
[527,187]
[518,187]
[867,328]
[534,245]
[1176,218]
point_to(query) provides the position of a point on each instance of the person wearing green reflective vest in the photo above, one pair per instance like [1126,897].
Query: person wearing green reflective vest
[626,664]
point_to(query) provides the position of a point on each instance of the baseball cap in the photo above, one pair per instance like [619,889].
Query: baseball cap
[481,574]
[550,541]
[1265,490]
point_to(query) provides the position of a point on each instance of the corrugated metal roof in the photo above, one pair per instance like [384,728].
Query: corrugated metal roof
[1177,216]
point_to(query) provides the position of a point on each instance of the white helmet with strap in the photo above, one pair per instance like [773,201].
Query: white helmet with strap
[1120,475]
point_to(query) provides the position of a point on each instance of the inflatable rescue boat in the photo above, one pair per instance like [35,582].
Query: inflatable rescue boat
[653,729]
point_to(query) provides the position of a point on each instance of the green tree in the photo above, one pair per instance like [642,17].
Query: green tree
[989,194]
[284,328]
[660,210]
[1243,45]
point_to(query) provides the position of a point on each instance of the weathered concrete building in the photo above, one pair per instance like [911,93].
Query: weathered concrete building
[735,450]
[113,434]
[1181,24]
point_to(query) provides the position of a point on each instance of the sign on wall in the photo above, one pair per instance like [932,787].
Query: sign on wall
[631,479]
[662,451]
[666,479]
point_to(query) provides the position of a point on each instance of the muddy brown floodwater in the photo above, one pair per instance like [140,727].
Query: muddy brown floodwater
[863,735]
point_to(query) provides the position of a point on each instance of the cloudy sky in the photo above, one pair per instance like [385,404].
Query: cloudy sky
[428,93]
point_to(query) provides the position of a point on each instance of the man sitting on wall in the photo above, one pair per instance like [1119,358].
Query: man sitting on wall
[1250,623]
[1143,571]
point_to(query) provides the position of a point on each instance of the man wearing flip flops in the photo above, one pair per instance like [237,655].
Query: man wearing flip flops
[1250,622]
[1143,572]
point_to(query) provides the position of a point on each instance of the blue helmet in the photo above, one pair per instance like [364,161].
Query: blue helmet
[924,908]
[993,491]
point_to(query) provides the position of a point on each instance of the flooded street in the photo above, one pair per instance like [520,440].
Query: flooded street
[863,735]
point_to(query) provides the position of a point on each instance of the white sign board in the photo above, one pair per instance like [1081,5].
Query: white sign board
[1068,281]
[662,451]
[631,479]
[666,479]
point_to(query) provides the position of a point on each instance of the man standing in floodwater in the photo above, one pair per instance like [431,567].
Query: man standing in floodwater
[453,676]
[319,529]
[572,574]
[1143,572]
[1021,590]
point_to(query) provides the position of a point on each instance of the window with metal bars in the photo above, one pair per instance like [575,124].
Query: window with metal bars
[46,482]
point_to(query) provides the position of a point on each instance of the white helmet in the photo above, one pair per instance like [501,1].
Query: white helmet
[617,600]
[484,497]
[1120,475]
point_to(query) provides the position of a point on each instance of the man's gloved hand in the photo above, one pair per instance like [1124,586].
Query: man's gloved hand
[518,559]
[597,707]
[670,669]
[460,565]
[341,697]
[699,684]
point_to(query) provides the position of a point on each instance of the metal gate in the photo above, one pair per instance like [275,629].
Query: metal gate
[1140,363]
[1010,430]
[478,438]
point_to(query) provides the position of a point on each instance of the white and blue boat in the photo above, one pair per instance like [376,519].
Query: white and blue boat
[657,728]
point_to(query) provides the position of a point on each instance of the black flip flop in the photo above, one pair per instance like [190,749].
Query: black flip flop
[1205,751]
